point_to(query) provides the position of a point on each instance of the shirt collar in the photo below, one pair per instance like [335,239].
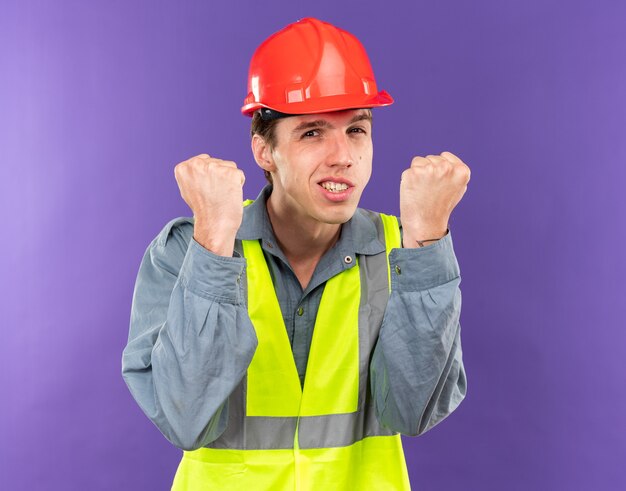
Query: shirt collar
[358,234]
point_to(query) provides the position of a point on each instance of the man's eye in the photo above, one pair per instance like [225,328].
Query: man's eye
[310,133]
[356,130]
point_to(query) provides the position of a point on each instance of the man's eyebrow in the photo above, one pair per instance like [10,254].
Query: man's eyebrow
[322,123]
[361,117]
[319,123]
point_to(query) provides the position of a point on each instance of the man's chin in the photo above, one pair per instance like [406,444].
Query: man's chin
[339,216]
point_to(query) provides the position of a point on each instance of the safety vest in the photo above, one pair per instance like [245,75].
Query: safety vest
[321,437]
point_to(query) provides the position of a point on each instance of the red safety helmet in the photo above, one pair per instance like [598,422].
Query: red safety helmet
[310,67]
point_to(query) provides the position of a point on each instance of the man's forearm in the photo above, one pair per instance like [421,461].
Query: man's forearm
[417,373]
[190,340]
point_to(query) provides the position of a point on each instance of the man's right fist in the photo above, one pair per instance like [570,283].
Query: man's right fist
[213,189]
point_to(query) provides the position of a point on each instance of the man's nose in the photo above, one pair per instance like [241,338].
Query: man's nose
[340,153]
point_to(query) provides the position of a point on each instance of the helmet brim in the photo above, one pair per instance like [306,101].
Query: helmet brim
[324,104]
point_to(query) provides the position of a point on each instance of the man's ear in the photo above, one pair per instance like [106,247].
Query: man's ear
[262,154]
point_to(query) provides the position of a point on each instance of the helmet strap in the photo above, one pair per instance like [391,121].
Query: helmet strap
[270,114]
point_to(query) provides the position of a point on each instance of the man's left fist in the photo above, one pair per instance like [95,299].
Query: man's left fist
[429,191]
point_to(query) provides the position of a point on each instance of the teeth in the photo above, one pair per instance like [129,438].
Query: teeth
[334,187]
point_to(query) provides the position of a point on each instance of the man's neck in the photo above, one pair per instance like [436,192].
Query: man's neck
[303,242]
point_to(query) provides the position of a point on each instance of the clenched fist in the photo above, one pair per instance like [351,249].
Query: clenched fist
[213,189]
[429,191]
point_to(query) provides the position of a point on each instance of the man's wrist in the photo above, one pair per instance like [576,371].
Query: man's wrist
[219,242]
[422,238]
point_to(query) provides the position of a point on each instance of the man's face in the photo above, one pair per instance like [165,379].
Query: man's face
[322,163]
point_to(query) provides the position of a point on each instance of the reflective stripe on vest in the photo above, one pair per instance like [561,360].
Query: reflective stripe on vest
[325,435]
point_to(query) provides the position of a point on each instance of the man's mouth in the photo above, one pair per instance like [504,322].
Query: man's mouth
[334,187]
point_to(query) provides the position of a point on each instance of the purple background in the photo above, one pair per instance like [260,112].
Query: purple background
[98,102]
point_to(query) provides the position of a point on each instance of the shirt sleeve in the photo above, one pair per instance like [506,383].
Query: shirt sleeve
[417,374]
[190,340]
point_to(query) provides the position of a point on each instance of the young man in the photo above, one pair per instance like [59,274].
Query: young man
[288,343]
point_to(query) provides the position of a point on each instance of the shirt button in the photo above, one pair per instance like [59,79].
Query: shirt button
[398,270]
[300,311]
[347,259]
